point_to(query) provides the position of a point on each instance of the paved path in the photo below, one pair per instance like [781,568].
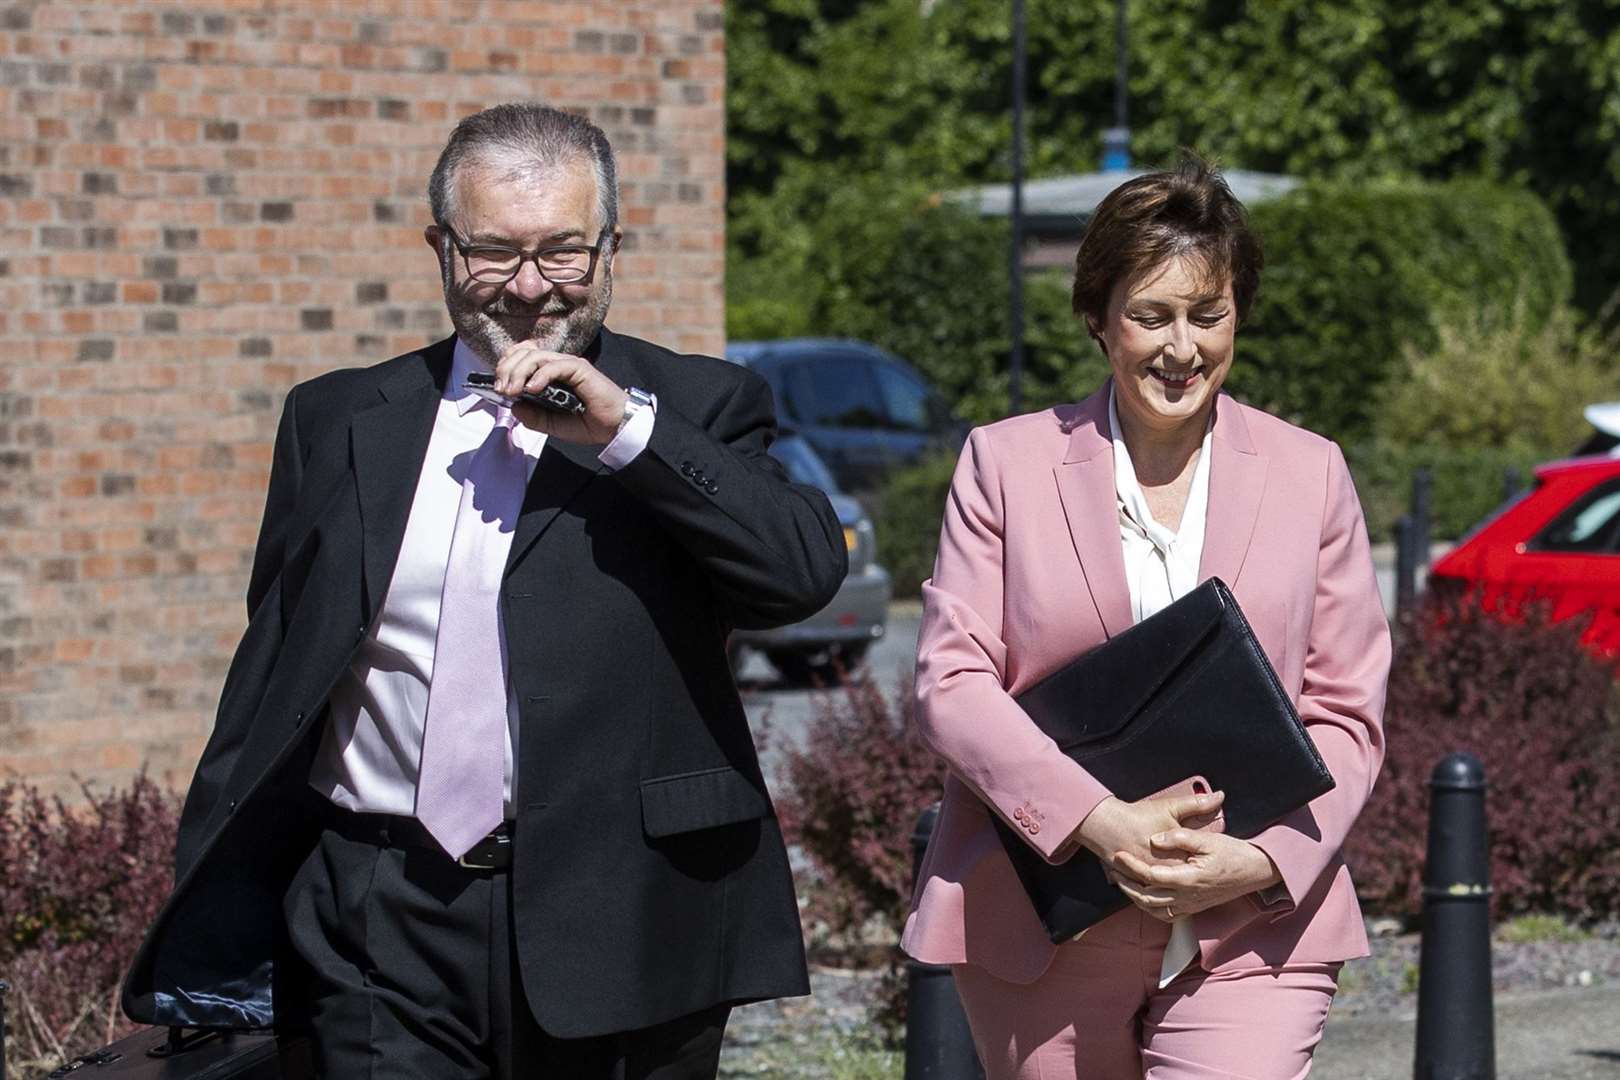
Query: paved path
[1542,1035]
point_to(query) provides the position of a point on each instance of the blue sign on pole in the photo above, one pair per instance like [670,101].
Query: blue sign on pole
[1116,149]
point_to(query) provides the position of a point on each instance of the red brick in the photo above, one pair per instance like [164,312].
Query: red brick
[149,447]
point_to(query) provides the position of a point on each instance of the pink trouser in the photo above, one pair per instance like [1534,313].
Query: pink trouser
[1098,1014]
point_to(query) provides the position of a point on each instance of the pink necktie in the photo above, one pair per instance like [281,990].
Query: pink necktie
[461,786]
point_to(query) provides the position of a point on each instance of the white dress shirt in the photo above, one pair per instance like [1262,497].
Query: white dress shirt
[372,747]
[1161,566]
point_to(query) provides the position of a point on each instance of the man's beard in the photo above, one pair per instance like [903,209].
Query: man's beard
[553,325]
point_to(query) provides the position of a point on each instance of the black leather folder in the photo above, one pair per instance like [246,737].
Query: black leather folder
[1186,692]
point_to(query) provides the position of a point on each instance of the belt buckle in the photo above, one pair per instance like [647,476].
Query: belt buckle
[484,854]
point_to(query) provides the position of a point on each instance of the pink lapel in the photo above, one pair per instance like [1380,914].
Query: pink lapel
[1237,482]
[1085,483]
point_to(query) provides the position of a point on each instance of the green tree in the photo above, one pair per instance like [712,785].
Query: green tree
[1521,91]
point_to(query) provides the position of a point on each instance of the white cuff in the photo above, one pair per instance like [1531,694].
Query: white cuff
[631,440]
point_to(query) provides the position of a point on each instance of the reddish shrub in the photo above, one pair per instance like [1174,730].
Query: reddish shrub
[1542,714]
[849,796]
[78,886]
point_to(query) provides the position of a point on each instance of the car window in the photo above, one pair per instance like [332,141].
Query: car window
[905,400]
[833,390]
[802,464]
[1592,524]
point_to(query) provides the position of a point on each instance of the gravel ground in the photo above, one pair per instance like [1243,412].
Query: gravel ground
[827,1037]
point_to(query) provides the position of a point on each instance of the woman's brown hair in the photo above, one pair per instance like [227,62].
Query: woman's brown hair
[1185,211]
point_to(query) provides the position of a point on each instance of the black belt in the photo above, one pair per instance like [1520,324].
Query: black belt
[493,852]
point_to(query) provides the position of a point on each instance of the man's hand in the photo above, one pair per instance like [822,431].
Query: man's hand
[1116,826]
[528,368]
[1192,871]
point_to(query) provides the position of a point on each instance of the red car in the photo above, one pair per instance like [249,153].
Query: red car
[1559,542]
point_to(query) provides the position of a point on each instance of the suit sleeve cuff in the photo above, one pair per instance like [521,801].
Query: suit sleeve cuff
[631,440]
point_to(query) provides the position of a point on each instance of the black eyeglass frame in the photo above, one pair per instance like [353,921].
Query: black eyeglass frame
[595,250]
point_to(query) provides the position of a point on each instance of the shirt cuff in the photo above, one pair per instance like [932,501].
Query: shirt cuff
[631,440]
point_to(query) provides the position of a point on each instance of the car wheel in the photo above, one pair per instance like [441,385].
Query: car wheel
[795,667]
[822,667]
[853,656]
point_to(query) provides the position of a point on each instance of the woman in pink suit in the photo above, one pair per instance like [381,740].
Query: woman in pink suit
[1062,529]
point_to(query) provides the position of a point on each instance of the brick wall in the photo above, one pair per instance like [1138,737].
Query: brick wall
[203,203]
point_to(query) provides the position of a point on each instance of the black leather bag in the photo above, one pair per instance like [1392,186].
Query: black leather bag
[175,1054]
[1186,692]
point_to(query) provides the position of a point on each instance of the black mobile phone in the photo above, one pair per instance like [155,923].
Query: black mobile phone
[556,397]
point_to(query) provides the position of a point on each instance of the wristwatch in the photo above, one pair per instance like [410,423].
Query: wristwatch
[636,399]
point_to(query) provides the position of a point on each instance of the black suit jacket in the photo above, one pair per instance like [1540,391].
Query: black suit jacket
[649,873]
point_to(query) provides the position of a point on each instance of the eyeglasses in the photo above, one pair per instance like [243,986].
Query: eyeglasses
[561,264]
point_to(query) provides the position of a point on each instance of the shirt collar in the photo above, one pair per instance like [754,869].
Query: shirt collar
[1133,502]
[463,361]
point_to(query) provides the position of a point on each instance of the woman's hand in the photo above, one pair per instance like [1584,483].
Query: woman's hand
[1203,870]
[1116,826]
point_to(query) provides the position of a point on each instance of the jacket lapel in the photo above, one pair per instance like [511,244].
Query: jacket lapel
[565,468]
[1085,483]
[1237,484]
[387,444]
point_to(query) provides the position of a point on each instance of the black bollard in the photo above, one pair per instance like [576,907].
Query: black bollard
[939,1045]
[5,988]
[1456,1037]
[1512,482]
[1405,564]
[1422,518]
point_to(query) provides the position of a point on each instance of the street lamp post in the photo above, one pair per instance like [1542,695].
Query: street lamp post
[1015,253]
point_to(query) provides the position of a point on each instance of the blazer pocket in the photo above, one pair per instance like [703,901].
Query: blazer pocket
[691,801]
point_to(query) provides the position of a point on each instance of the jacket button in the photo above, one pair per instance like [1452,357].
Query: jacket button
[1019,813]
[686,468]
[231,806]
[297,720]
[711,487]
[1034,828]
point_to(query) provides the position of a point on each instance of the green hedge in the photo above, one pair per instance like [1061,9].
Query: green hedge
[907,517]
[1356,276]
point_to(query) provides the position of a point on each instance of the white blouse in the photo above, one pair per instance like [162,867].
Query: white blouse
[1161,566]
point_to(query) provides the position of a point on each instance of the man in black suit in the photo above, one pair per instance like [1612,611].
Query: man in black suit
[481,798]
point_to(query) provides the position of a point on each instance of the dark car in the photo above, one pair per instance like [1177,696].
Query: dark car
[865,411]
[835,638]
[1558,542]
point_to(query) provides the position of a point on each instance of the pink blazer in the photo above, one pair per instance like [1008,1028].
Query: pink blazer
[1031,573]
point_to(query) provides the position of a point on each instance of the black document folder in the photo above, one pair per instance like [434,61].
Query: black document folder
[1186,692]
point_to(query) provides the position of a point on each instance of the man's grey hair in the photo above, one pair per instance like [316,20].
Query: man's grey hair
[521,140]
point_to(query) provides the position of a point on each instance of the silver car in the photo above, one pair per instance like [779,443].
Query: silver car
[834,639]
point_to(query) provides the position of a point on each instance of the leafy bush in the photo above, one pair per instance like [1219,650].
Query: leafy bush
[909,509]
[1500,383]
[849,797]
[1543,716]
[1467,483]
[79,885]
[1358,275]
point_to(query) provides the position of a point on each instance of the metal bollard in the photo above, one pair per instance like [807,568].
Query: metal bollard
[1512,482]
[1405,564]
[1422,519]
[5,988]
[1456,1038]
[939,1045]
